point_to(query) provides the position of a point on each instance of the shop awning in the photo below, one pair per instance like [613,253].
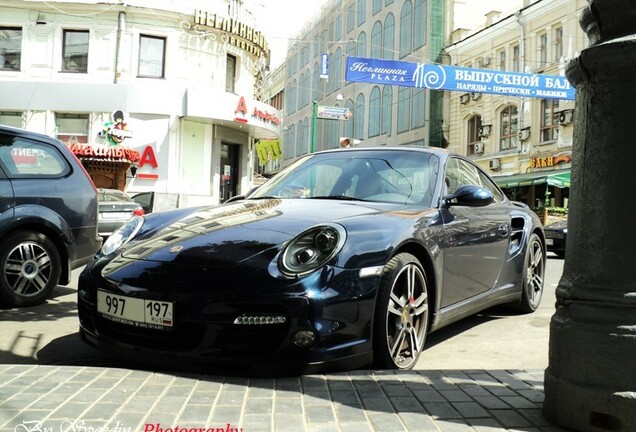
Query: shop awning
[560,179]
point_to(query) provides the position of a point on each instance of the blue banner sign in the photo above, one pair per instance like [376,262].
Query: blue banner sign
[453,78]
[324,66]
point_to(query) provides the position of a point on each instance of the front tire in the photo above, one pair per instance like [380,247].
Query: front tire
[31,268]
[533,276]
[401,314]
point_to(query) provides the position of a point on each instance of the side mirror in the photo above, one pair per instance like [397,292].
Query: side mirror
[470,196]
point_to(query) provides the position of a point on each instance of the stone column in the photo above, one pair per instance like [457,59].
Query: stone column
[590,383]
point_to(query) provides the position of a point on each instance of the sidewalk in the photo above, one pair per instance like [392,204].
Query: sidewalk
[37,398]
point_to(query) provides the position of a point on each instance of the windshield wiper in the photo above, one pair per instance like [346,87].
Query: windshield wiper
[337,197]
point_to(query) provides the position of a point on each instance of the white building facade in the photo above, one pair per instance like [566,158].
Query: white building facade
[183,76]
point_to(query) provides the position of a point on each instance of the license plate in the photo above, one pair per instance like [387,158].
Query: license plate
[134,311]
[116,215]
[549,242]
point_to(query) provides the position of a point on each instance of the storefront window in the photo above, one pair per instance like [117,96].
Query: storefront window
[11,118]
[72,128]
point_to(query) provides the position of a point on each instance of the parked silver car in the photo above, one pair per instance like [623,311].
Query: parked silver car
[115,209]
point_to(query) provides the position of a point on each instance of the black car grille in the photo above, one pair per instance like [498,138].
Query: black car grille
[185,337]
[247,341]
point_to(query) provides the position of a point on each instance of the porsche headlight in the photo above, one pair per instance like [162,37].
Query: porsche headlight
[122,235]
[312,249]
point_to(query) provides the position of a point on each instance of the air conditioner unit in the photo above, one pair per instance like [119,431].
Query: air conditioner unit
[484,61]
[484,131]
[475,95]
[566,117]
[524,134]
[464,98]
[494,164]
[479,148]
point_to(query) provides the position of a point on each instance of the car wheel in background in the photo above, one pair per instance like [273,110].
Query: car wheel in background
[534,273]
[31,268]
[401,320]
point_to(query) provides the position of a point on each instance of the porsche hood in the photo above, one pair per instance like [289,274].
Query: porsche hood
[229,234]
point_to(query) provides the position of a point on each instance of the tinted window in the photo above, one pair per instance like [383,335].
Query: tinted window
[388,176]
[461,173]
[22,158]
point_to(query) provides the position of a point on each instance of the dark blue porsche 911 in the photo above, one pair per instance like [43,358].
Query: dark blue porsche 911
[348,258]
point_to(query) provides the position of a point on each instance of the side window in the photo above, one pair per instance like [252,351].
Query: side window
[460,173]
[21,158]
[487,183]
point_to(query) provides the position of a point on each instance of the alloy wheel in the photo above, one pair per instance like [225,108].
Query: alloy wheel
[28,269]
[407,316]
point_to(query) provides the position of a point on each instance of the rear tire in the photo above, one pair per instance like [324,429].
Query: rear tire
[31,268]
[533,275]
[401,314]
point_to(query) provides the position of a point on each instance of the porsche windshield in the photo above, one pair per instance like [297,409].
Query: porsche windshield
[405,177]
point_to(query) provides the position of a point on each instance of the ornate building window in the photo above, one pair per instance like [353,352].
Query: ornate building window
[472,137]
[509,127]
[549,120]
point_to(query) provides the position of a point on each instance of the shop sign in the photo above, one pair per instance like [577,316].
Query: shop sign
[264,116]
[550,161]
[123,154]
[116,130]
[148,158]
[268,150]
[236,33]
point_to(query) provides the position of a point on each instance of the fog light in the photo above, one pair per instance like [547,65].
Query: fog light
[260,319]
[304,338]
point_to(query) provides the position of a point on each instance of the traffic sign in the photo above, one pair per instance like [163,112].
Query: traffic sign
[333,113]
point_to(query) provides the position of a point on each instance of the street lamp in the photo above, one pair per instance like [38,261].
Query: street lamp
[314,115]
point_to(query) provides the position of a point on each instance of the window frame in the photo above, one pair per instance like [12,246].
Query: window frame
[508,139]
[143,36]
[558,43]
[65,68]
[549,129]
[542,41]
[6,43]
[473,124]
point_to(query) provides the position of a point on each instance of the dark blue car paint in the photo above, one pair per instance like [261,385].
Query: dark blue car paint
[334,300]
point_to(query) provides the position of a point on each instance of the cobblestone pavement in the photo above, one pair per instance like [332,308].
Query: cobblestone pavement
[38,398]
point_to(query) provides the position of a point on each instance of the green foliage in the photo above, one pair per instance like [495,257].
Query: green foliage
[551,210]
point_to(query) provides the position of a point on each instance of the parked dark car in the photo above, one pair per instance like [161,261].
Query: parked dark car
[346,258]
[115,209]
[555,237]
[48,216]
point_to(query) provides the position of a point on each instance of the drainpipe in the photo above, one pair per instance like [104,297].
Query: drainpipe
[121,27]
[522,66]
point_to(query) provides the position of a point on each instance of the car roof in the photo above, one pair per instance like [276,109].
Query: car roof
[29,134]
